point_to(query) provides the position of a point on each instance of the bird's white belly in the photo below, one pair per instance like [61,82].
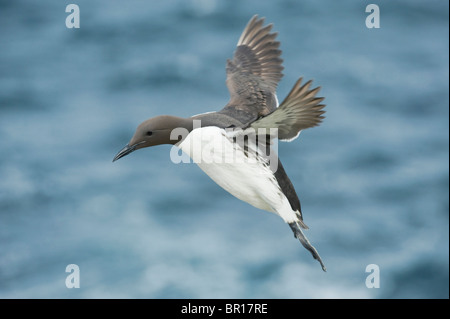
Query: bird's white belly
[244,176]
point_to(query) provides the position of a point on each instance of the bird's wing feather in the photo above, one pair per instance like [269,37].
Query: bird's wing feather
[300,110]
[254,72]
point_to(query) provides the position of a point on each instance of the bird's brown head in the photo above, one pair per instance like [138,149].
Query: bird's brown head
[154,131]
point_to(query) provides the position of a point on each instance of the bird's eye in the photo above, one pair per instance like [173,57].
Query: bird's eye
[149,133]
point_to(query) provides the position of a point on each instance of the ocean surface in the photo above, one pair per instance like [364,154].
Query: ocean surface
[373,179]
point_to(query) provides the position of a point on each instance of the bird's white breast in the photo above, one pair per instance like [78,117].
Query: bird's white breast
[243,174]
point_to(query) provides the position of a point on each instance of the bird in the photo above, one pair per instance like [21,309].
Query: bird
[235,145]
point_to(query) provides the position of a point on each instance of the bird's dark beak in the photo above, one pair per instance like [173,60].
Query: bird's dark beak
[125,151]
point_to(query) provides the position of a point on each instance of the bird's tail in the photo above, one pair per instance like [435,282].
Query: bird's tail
[298,233]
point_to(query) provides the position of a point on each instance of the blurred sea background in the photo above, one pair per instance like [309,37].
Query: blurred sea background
[373,179]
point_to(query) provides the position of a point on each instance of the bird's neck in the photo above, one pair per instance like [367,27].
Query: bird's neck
[180,128]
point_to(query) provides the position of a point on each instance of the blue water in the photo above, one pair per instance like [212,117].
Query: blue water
[373,179]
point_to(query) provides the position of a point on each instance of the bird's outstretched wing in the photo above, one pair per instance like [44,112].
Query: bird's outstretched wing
[254,73]
[301,109]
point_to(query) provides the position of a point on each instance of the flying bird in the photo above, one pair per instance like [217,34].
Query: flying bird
[233,146]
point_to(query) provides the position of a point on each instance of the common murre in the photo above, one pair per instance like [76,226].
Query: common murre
[245,168]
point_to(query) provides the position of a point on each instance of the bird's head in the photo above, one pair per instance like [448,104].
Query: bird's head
[154,131]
